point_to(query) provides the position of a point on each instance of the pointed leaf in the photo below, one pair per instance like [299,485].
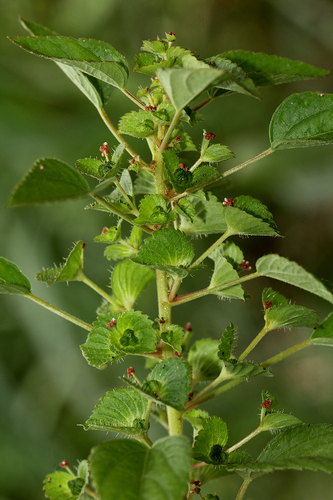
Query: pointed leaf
[280,268]
[121,410]
[242,223]
[153,210]
[71,270]
[137,124]
[208,218]
[119,251]
[92,167]
[323,334]
[290,316]
[168,250]
[173,335]
[204,360]
[12,280]
[210,441]
[274,421]
[276,298]
[128,280]
[302,120]
[125,469]
[181,141]
[110,235]
[256,208]
[216,153]
[267,69]
[229,251]
[98,59]
[301,447]
[48,181]
[224,273]
[242,370]
[183,85]
[226,344]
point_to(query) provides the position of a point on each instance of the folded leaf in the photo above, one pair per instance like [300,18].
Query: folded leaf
[137,124]
[154,210]
[12,280]
[224,273]
[216,153]
[62,485]
[210,441]
[126,469]
[121,410]
[280,268]
[173,335]
[242,370]
[225,352]
[302,120]
[48,181]
[323,334]
[128,280]
[290,316]
[71,270]
[208,218]
[197,418]
[204,360]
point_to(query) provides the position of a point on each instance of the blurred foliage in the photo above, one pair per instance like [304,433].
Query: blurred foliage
[45,384]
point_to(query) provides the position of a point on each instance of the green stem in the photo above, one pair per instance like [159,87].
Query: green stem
[115,132]
[133,98]
[254,342]
[245,440]
[115,210]
[202,104]
[97,289]
[182,299]
[196,164]
[159,173]
[212,247]
[127,198]
[285,354]
[243,489]
[175,419]
[91,492]
[172,125]
[174,289]
[60,312]
[196,401]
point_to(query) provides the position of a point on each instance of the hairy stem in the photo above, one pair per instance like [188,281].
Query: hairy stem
[212,247]
[127,198]
[285,354]
[172,125]
[60,312]
[245,440]
[115,132]
[97,289]
[199,401]
[243,489]
[133,98]
[254,342]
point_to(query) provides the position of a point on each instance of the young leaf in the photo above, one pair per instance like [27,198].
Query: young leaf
[242,370]
[92,167]
[96,58]
[62,485]
[48,181]
[137,124]
[280,268]
[216,153]
[272,417]
[121,410]
[226,343]
[132,333]
[210,441]
[110,235]
[71,270]
[202,174]
[290,316]
[144,183]
[301,447]
[204,360]
[229,251]
[119,251]
[181,141]
[208,218]
[168,250]
[302,120]
[196,418]
[266,69]
[185,208]
[243,223]
[153,210]
[276,298]
[256,208]
[223,273]
[12,280]
[169,383]
[128,280]
[96,91]
[148,64]
[183,85]
[181,178]
[173,335]
[126,469]
[323,334]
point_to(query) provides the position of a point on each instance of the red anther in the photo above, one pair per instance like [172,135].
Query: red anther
[188,327]
[170,33]
[196,482]
[64,463]
[267,304]
[150,108]
[174,203]
[177,138]
[212,63]
[267,403]
[178,355]
[84,246]
[246,265]
[112,323]
[130,371]
[182,166]
[104,149]
[133,160]
[190,396]
[209,136]
[228,202]
[162,321]
[105,230]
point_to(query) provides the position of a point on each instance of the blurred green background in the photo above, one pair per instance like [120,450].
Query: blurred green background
[46,386]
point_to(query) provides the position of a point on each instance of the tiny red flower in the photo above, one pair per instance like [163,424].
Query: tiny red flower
[170,33]
[84,246]
[267,403]
[133,160]
[178,355]
[188,327]
[267,304]
[182,166]
[162,321]
[104,149]
[105,230]
[130,371]
[246,265]
[177,138]
[112,323]
[212,63]
[228,202]
[209,136]
[64,463]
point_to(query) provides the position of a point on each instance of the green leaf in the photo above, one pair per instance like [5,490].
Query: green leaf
[204,360]
[208,218]
[185,208]
[144,183]
[266,69]
[155,46]
[96,91]
[96,58]
[302,120]
[197,418]
[173,335]
[163,116]
[210,441]
[92,167]
[148,64]
[280,268]
[242,222]
[121,410]
[291,316]
[128,280]
[181,141]
[229,251]
[302,447]
[62,485]
[168,250]
[137,124]
[323,334]
[184,85]
[216,153]
[169,383]
[227,342]
[202,174]
[12,280]
[71,270]
[119,251]
[153,210]
[224,273]
[275,421]
[242,370]
[109,235]
[125,469]
[48,181]
[256,208]
[180,178]
[276,298]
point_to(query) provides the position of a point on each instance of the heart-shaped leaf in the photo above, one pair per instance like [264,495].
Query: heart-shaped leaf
[210,441]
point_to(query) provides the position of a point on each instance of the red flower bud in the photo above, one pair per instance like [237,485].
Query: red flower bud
[267,403]
[64,463]
[228,202]
[267,304]
[112,323]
